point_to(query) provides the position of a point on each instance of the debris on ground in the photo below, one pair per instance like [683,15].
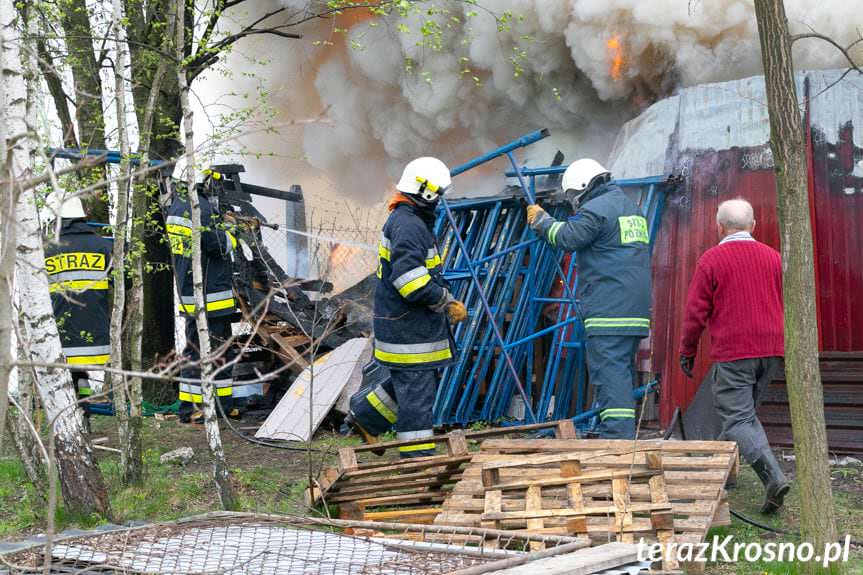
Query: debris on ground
[325,382]
[602,490]
[181,456]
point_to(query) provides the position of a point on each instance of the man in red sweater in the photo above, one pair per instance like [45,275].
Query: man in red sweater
[736,292]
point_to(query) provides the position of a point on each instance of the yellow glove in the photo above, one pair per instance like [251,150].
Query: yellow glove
[533,212]
[456,311]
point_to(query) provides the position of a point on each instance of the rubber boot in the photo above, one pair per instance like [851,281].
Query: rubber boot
[776,486]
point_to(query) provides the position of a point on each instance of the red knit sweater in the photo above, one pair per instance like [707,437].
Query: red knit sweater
[737,292]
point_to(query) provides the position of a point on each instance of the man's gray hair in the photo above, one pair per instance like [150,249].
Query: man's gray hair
[735,214]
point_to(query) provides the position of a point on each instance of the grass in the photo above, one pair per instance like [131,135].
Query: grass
[266,480]
[747,497]
[270,480]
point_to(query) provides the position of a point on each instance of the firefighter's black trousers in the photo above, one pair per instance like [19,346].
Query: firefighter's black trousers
[220,332]
[415,395]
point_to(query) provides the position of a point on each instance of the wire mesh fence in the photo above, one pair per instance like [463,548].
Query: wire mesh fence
[338,244]
[228,543]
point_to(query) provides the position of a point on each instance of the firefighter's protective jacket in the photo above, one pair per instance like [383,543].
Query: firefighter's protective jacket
[610,237]
[217,245]
[411,330]
[78,267]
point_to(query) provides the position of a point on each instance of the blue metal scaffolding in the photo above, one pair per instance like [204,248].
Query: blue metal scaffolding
[519,339]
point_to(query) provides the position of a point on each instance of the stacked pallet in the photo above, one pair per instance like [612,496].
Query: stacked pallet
[600,490]
[607,489]
[407,490]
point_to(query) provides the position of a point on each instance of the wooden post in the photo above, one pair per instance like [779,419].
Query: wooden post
[533,502]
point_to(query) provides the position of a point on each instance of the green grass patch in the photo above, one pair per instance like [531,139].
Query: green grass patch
[20,505]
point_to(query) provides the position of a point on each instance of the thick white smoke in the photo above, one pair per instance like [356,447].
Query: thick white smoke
[578,67]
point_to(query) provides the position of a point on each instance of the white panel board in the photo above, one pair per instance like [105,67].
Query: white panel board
[290,420]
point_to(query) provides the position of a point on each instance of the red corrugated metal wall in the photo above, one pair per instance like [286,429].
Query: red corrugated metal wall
[688,229]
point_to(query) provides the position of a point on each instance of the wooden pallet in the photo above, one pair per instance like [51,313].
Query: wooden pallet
[408,490]
[693,473]
[619,516]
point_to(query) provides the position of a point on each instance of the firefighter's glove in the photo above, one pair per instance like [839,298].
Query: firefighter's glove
[456,312]
[229,219]
[442,304]
[686,364]
[534,215]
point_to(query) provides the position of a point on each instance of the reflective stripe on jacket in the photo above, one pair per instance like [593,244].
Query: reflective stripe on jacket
[409,334]
[192,392]
[611,239]
[78,267]
[217,245]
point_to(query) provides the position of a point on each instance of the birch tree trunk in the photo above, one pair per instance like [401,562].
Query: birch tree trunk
[80,479]
[221,475]
[23,431]
[130,440]
[805,395]
[8,198]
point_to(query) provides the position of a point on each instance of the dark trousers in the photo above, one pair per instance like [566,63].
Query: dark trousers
[81,382]
[738,388]
[415,395]
[220,332]
[611,365]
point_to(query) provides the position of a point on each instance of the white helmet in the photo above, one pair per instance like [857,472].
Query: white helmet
[579,175]
[60,205]
[425,178]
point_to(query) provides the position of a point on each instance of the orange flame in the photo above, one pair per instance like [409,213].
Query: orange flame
[341,256]
[616,58]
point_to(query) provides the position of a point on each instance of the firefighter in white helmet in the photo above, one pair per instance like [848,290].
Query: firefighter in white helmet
[78,264]
[413,303]
[610,235]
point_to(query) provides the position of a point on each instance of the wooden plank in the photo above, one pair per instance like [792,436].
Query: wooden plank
[589,477]
[395,479]
[666,446]
[578,456]
[463,492]
[421,516]
[695,508]
[347,459]
[492,505]
[539,512]
[292,358]
[623,518]
[566,429]
[412,465]
[386,500]
[456,444]
[563,426]
[533,504]
[359,494]
[583,562]
[323,383]
[663,523]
